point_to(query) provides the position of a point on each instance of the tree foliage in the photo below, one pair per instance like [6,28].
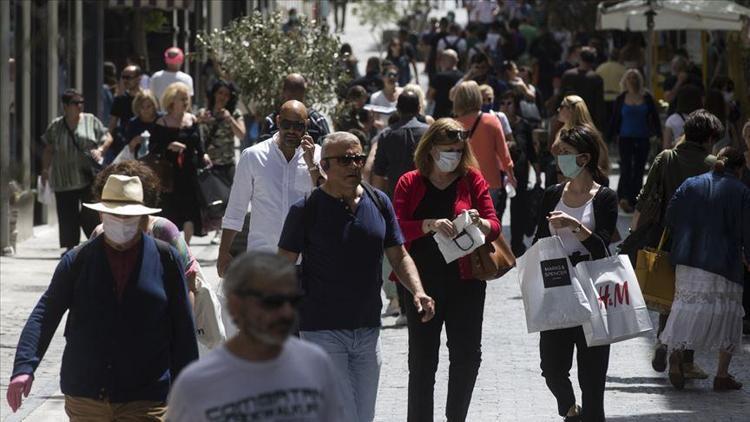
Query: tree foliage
[257,54]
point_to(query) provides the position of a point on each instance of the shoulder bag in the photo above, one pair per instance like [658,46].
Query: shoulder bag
[90,167]
[656,276]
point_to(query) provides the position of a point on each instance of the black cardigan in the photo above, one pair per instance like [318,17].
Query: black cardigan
[654,124]
[605,216]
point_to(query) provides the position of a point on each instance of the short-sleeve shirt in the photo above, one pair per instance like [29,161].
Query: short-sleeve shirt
[68,162]
[219,139]
[442,83]
[395,155]
[122,108]
[342,254]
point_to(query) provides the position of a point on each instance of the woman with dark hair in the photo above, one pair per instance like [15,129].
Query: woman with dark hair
[584,214]
[219,124]
[718,106]
[635,119]
[447,182]
[397,55]
[707,309]
[689,98]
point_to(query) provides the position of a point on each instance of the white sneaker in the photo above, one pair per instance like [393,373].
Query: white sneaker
[393,308]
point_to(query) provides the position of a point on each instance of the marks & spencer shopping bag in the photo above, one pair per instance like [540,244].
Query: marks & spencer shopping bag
[552,295]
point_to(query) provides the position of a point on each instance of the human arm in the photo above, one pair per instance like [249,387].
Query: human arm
[236,122]
[183,345]
[596,241]
[47,154]
[292,239]
[404,194]
[486,217]
[311,155]
[39,330]
[240,197]
[406,271]
[379,175]
[666,138]
[501,149]
[367,169]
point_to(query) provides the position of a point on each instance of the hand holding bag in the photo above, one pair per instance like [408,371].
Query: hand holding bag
[552,294]
[656,276]
[468,239]
[618,311]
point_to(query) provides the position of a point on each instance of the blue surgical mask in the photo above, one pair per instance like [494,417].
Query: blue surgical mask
[568,165]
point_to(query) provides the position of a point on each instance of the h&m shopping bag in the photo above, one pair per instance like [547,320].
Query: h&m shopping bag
[618,311]
[209,327]
[552,295]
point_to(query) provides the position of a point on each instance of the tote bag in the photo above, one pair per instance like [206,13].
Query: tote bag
[552,294]
[618,311]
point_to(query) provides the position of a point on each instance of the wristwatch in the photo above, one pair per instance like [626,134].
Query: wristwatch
[577,229]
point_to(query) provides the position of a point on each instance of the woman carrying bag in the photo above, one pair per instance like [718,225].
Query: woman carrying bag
[446,183]
[584,214]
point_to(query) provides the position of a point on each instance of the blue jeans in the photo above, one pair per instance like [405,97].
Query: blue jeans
[356,356]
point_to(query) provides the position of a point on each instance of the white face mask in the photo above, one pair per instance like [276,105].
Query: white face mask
[120,230]
[448,161]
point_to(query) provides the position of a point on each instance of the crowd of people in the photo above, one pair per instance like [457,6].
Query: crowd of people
[332,210]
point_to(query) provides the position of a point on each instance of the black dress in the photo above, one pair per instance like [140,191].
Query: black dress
[181,205]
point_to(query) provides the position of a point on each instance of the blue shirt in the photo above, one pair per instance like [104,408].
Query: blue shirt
[634,121]
[709,222]
[342,256]
[122,350]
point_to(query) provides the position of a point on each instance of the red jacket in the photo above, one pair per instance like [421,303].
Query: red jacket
[472,192]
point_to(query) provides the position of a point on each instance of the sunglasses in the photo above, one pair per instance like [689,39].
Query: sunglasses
[172,54]
[292,125]
[272,301]
[128,77]
[392,75]
[347,160]
[75,102]
[457,135]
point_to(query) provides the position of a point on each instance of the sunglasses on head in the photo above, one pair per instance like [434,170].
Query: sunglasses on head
[289,124]
[457,135]
[272,301]
[346,160]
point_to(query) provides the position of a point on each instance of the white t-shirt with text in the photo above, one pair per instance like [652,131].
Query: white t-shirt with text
[300,385]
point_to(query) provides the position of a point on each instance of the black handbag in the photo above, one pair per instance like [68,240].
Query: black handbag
[91,167]
[534,205]
[213,191]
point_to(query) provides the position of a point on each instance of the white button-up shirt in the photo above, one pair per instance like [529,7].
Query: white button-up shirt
[266,185]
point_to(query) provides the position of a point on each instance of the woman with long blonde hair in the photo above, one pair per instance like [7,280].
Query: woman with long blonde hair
[573,112]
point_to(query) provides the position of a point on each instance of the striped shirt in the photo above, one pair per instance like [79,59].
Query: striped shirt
[68,163]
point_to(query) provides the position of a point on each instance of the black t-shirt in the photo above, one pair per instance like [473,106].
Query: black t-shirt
[122,108]
[396,147]
[442,83]
[342,257]
[371,82]
[424,251]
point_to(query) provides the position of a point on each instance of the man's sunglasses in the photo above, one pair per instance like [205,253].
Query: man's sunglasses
[457,135]
[346,160]
[292,125]
[392,75]
[272,301]
[128,77]
[75,102]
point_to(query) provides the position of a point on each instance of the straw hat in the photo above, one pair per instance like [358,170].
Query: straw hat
[122,195]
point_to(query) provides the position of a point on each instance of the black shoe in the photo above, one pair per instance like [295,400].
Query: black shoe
[659,362]
[576,418]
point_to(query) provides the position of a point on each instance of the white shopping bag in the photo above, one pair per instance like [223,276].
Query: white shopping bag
[552,295]
[44,193]
[124,155]
[469,238]
[209,328]
[618,311]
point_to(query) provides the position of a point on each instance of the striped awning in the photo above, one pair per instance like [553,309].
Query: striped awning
[152,4]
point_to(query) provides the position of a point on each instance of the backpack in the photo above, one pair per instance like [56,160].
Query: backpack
[454,46]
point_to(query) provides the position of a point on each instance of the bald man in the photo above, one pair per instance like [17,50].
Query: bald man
[270,177]
[294,88]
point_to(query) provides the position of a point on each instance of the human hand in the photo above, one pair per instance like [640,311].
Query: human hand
[474,215]
[134,143]
[204,117]
[207,161]
[425,306]
[308,148]
[96,154]
[444,227]
[18,385]
[224,114]
[45,176]
[559,220]
[222,263]
[176,146]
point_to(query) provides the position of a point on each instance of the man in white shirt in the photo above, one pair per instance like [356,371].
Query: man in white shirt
[260,374]
[270,177]
[173,59]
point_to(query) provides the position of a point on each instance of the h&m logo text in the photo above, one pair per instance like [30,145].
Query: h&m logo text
[620,295]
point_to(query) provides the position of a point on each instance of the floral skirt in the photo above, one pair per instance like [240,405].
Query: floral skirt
[706,313]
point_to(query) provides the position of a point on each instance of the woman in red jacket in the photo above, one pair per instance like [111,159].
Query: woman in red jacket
[446,182]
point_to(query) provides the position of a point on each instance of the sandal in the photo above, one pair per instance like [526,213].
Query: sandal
[726,384]
[676,370]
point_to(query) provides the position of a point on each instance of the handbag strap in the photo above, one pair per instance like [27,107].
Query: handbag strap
[72,137]
[663,240]
[476,123]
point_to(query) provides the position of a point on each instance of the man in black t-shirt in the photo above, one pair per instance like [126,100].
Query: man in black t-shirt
[442,82]
[122,110]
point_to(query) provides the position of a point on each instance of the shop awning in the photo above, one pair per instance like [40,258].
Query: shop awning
[152,4]
[705,15]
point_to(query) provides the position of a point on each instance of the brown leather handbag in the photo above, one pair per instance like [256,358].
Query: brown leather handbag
[492,260]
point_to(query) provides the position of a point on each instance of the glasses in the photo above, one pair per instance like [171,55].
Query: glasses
[272,301]
[128,77]
[457,135]
[292,125]
[506,103]
[347,160]
[75,102]
[392,75]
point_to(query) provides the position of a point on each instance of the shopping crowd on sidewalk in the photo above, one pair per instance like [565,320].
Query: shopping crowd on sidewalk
[398,190]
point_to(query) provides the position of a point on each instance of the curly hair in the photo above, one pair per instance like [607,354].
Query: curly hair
[149,180]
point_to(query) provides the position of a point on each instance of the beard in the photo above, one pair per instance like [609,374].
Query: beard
[274,334]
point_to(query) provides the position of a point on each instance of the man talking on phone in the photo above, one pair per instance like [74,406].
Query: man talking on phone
[271,176]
